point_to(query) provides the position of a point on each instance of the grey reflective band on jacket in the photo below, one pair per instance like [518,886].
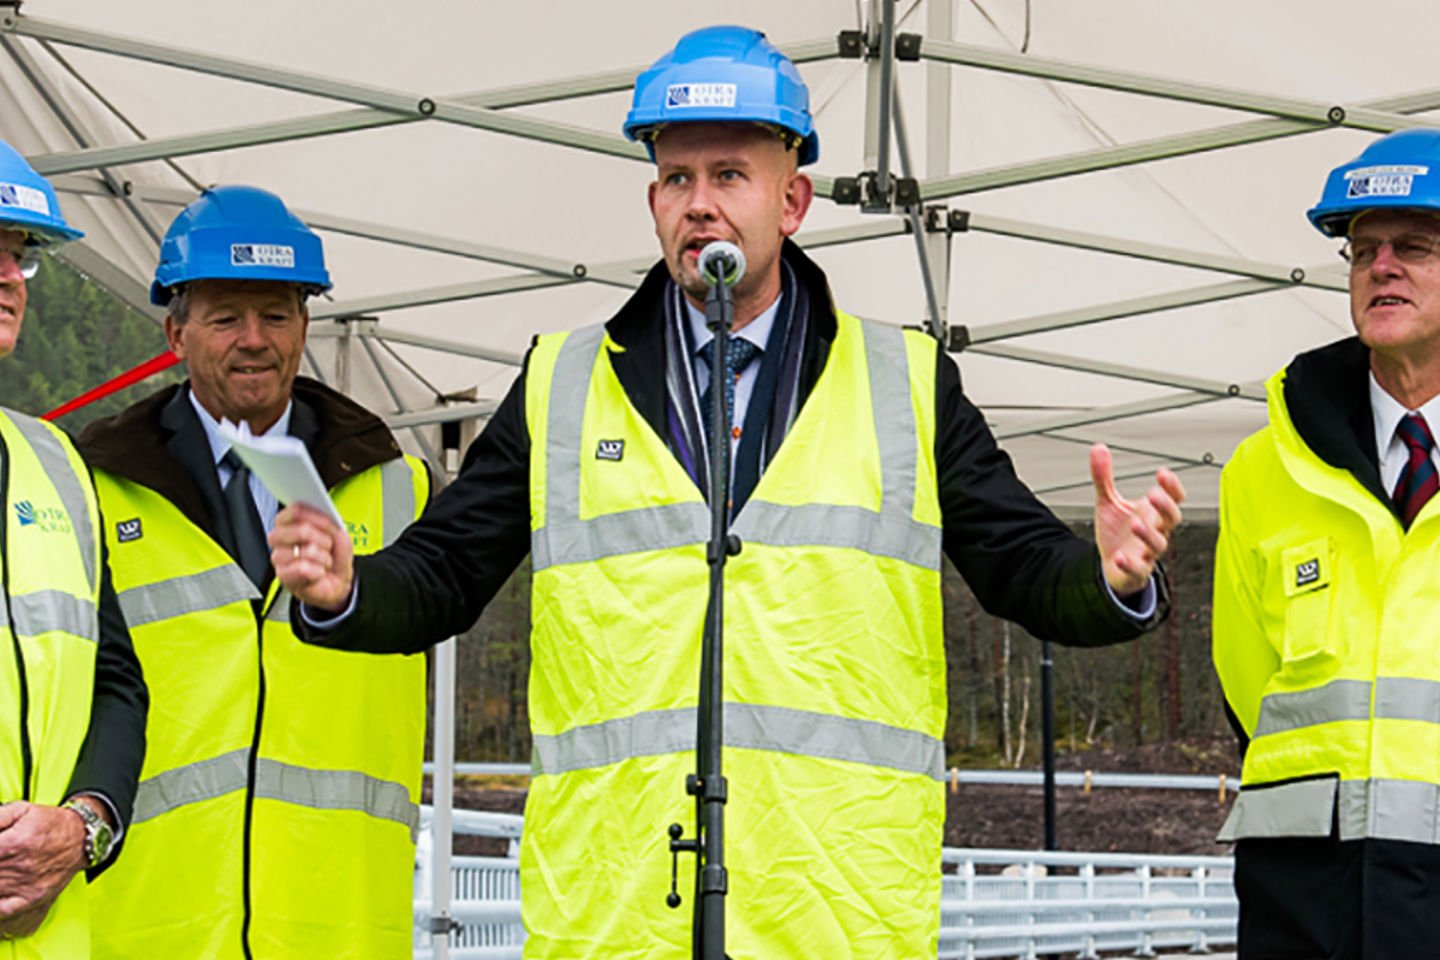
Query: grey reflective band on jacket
[747,726]
[1386,809]
[46,610]
[1336,700]
[1396,698]
[56,465]
[1407,698]
[206,590]
[316,789]
[892,532]
[1377,809]
[337,790]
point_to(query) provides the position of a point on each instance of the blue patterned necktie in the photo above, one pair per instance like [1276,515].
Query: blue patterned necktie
[739,353]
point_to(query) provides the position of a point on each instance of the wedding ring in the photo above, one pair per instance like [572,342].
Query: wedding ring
[295,551]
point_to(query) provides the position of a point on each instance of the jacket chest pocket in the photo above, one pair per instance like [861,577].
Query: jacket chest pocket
[1310,646]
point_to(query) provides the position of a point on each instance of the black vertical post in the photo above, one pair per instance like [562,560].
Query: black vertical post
[1047,736]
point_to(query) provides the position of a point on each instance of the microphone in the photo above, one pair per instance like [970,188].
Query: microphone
[721,261]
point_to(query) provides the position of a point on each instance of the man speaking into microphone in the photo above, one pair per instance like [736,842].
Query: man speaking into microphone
[857,461]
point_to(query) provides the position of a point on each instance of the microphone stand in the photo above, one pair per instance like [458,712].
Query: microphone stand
[707,784]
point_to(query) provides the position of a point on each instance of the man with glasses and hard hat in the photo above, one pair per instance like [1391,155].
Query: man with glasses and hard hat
[1327,597]
[279,804]
[858,462]
[72,724]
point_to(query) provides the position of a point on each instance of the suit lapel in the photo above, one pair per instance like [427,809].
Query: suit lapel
[188,446]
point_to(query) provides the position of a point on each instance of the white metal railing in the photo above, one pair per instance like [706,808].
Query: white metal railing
[993,903]
[1085,779]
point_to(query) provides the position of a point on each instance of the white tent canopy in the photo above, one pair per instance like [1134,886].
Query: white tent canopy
[1133,176]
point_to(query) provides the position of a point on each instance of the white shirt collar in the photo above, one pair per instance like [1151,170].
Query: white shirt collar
[1388,412]
[757,331]
[219,446]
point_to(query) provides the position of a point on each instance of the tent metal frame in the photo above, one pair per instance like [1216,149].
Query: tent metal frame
[89,170]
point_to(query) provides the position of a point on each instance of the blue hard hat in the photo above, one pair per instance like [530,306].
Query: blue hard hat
[28,202]
[238,233]
[723,75]
[1398,171]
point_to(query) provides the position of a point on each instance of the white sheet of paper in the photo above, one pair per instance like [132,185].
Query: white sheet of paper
[284,466]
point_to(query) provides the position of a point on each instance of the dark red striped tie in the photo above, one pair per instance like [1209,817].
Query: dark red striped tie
[1418,480]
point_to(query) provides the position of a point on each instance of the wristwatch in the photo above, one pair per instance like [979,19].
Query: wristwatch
[98,835]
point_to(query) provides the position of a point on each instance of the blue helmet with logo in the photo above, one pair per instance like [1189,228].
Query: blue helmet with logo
[723,75]
[28,202]
[1398,171]
[238,233]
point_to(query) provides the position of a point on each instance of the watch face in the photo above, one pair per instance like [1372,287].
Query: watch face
[100,842]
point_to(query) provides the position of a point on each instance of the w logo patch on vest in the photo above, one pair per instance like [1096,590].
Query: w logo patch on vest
[610,450]
[128,530]
[1307,572]
[1309,565]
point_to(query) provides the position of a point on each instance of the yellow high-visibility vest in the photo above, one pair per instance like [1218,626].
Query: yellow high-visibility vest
[279,802]
[49,629]
[1325,628]
[835,695]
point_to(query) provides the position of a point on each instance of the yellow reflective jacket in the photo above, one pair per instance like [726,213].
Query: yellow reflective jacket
[1325,620]
[51,589]
[278,806]
[835,695]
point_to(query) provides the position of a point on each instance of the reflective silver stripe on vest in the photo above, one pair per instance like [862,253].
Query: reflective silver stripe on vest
[749,726]
[832,525]
[56,465]
[1363,810]
[892,532]
[397,498]
[178,596]
[1337,700]
[317,789]
[337,790]
[44,610]
[631,531]
[191,783]
[564,538]
[279,611]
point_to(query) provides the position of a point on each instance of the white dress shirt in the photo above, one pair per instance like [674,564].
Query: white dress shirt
[265,502]
[1388,412]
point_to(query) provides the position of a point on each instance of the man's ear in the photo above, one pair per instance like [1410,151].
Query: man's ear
[172,336]
[799,193]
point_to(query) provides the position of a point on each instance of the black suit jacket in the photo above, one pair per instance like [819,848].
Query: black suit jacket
[1022,562]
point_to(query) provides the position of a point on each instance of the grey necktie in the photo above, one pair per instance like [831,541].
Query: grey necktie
[251,550]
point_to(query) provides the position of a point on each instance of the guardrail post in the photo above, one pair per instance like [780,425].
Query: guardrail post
[1087,946]
[1202,942]
[1147,945]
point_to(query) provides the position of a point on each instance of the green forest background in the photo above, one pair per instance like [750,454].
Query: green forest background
[1161,689]
[76,336]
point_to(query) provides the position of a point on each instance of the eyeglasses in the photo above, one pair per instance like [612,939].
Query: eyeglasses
[27,258]
[1408,248]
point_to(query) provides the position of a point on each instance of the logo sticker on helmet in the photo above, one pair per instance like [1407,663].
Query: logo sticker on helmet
[1392,180]
[26,198]
[700,95]
[262,255]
